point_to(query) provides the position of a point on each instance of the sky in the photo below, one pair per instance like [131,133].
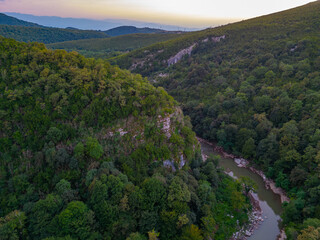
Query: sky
[187,13]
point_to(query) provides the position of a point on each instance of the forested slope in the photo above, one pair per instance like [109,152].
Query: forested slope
[82,150]
[46,34]
[108,47]
[254,88]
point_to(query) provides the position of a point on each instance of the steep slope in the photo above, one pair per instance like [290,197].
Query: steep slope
[123,30]
[112,46]
[253,87]
[7,20]
[89,151]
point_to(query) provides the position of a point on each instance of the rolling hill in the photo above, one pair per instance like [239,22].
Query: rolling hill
[253,87]
[106,47]
[123,30]
[11,27]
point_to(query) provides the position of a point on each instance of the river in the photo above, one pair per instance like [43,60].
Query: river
[270,202]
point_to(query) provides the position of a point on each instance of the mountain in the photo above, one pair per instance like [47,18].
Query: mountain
[7,20]
[83,23]
[29,32]
[123,30]
[253,87]
[89,151]
[107,47]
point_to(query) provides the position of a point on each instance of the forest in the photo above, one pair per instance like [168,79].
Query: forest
[89,151]
[256,93]
[113,46]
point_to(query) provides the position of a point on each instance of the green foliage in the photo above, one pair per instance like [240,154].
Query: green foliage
[248,184]
[136,236]
[76,220]
[82,150]
[54,134]
[191,232]
[265,107]
[12,226]
[93,148]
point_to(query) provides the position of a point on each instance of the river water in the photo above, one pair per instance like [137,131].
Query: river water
[270,202]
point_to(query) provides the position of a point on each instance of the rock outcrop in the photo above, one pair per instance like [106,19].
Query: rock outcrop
[179,55]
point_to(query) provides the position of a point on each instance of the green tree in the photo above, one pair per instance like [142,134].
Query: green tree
[93,148]
[249,148]
[136,236]
[310,233]
[76,220]
[12,226]
[191,232]
[248,184]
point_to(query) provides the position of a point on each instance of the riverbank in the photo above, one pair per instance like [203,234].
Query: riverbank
[257,216]
[243,163]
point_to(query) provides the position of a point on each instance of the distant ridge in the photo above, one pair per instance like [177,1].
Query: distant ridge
[7,20]
[84,23]
[11,27]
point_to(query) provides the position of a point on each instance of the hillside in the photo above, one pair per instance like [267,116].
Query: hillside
[47,35]
[253,87]
[89,151]
[7,20]
[108,47]
[123,30]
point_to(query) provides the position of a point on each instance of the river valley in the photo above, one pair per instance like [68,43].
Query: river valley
[269,202]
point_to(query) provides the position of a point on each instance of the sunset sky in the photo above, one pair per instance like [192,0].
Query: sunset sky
[188,13]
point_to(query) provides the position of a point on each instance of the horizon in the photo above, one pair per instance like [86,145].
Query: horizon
[188,14]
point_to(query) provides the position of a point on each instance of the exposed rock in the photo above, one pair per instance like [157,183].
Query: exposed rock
[137,64]
[282,235]
[169,164]
[182,161]
[179,55]
[120,130]
[218,39]
[163,75]
[166,125]
[294,48]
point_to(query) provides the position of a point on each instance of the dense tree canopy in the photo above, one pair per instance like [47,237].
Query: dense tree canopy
[83,147]
[255,92]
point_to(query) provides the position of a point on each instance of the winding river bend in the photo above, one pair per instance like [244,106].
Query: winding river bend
[270,202]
